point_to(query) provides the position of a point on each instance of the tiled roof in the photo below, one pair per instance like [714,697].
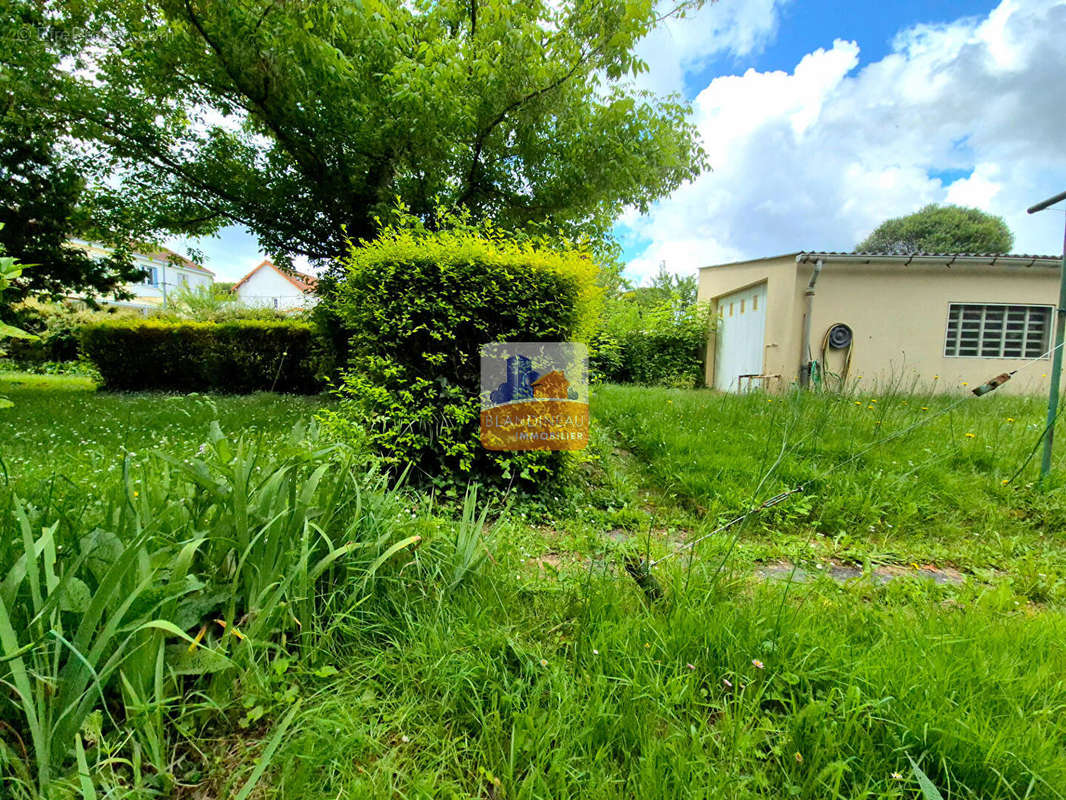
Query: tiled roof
[166,254]
[868,254]
[301,280]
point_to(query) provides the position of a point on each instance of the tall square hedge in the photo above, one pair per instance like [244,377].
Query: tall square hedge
[418,306]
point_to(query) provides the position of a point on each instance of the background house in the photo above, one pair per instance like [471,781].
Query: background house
[268,286]
[936,319]
[167,272]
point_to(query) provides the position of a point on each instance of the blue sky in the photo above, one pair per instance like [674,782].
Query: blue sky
[822,118]
[805,25]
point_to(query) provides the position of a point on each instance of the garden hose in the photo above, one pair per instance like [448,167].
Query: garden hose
[838,336]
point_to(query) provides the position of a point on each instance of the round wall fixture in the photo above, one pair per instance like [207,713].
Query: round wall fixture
[839,336]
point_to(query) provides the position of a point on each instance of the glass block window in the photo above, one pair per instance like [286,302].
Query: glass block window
[997,331]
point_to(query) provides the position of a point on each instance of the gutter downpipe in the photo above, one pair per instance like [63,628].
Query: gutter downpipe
[805,352]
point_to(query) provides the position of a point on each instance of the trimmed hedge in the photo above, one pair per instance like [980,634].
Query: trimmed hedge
[418,306]
[236,357]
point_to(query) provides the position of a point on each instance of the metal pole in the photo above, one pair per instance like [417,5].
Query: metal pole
[805,345]
[1056,356]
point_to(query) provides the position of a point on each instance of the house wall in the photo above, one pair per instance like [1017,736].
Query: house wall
[168,276]
[149,293]
[266,288]
[899,315]
[779,274]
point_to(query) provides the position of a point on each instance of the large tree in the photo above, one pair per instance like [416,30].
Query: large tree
[306,120]
[54,188]
[940,229]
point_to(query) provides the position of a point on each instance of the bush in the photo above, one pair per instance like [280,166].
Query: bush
[57,327]
[238,356]
[663,345]
[418,306]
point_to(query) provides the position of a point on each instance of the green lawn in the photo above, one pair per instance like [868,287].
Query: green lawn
[927,492]
[440,657]
[60,427]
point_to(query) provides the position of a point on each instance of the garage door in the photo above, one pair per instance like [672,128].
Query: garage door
[739,337]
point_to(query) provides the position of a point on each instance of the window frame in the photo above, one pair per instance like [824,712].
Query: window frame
[1045,347]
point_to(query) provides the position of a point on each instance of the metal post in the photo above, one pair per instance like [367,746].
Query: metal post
[1056,356]
[805,345]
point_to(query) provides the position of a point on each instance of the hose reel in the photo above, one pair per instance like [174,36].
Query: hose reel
[838,337]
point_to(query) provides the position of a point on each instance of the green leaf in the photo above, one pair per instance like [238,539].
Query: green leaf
[76,595]
[929,791]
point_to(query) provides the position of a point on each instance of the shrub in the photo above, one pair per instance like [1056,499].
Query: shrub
[237,356]
[662,345]
[418,306]
[57,327]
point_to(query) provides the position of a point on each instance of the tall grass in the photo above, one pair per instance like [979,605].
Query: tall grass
[195,567]
[524,687]
[942,481]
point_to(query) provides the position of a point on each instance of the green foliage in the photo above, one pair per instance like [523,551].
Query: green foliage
[418,306]
[544,674]
[940,229]
[236,356]
[43,204]
[57,327]
[936,493]
[653,335]
[109,621]
[201,302]
[563,684]
[10,271]
[520,112]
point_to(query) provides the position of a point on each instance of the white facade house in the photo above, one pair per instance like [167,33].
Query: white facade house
[268,286]
[167,273]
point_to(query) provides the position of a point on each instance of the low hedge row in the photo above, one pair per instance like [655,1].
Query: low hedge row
[237,356]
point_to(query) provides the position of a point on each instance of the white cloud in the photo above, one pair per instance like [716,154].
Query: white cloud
[816,158]
[680,45]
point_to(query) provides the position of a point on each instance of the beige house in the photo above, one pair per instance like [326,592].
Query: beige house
[921,321]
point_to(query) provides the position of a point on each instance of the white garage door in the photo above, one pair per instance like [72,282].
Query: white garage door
[740,337]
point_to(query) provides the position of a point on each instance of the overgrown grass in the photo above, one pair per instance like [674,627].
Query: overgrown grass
[572,687]
[191,614]
[935,491]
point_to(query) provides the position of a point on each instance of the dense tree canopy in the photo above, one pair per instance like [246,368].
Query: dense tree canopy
[941,229]
[305,120]
[41,209]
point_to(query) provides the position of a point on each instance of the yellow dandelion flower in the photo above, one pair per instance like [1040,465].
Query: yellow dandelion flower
[1005,481]
[1010,419]
[858,402]
[964,383]
[971,435]
[925,408]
